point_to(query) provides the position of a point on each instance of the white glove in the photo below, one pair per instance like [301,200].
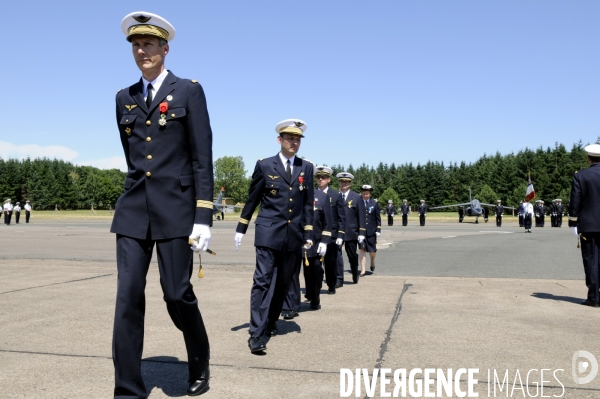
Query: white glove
[322,249]
[238,240]
[361,239]
[575,230]
[308,244]
[200,234]
[377,234]
[392,215]
[339,242]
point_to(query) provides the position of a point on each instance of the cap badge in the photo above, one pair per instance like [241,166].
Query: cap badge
[130,107]
[142,18]
[298,124]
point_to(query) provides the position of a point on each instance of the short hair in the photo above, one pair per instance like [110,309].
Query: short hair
[162,42]
[594,159]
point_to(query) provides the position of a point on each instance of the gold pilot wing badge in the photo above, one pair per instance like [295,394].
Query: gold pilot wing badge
[130,107]
[273,177]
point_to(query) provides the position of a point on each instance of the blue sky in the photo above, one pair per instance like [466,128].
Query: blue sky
[378,81]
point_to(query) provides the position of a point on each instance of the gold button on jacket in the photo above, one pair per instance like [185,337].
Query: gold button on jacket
[148,174]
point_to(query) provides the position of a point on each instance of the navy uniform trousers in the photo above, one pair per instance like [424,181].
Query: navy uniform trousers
[175,265]
[332,272]
[590,252]
[267,298]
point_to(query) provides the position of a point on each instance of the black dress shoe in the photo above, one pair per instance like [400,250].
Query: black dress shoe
[271,331]
[331,291]
[592,304]
[372,268]
[198,386]
[355,278]
[315,306]
[362,275]
[256,344]
[339,285]
[287,314]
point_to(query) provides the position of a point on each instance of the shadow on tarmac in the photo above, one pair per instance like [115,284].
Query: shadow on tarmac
[544,295]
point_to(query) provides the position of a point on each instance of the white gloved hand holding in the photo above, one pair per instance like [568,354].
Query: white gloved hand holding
[339,242]
[322,249]
[575,230]
[238,240]
[201,235]
[361,239]
[308,244]
[378,234]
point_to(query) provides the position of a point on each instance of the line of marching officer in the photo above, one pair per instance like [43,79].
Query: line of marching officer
[298,226]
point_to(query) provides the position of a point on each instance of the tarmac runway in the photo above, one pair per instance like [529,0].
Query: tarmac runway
[446,295]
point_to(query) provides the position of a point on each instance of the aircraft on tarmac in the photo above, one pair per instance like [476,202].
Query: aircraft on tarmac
[473,208]
[219,207]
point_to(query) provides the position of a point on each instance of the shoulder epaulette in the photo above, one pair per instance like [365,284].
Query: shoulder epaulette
[260,160]
[194,81]
[119,90]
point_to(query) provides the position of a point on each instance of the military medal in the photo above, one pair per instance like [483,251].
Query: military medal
[301,180]
[163,107]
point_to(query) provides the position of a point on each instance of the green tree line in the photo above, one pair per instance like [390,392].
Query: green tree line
[48,182]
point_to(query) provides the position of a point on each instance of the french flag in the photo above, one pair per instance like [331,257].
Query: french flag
[530,191]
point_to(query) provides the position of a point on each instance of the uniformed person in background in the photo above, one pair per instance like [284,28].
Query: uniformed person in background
[499,210]
[527,216]
[520,211]
[560,209]
[355,224]
[422,210]
[373,229]
[584,218]
[17,210]
[8,210]
[283,186]
[542,210]
[552,212]
[167,139]
[405,210]
[390,210]
[27,211]
[334,248]
[536,213]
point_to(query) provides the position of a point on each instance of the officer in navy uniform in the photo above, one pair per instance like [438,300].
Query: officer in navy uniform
[167,139]
[584,218]
[390,211]
[283,186]
[405,210]
[323,178]
[536,213]
[499,210]
[355,227]
[422,212]
[560,209]
[27,211]
[373,228]
[542,210]
[315,255]
[553,213]
[521,213]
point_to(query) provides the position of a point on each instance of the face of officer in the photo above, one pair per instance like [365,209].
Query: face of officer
[323,181]
[149,55]
[290,144]
[366,194]
[345,186]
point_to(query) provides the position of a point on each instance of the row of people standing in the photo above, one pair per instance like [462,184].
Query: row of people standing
[404,210]
[540,211]
[8,209]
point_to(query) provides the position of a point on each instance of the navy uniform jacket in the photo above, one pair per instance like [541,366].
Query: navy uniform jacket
[338,214]
[285,210]
[169,182]
[542,210]
[521,209]
[390,210]
[405,209]
[372,218]
[354,207]
[584,206]
[499,209]
[560,209]
[422,209]
[322,222]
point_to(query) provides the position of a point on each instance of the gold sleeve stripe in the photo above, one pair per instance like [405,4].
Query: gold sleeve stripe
[204,204]
[326,233]
[378,227]
[308,227]
[340,231]
[573,218]
[244,221]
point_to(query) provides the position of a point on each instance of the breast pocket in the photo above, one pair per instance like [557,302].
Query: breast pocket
[126,124]
[176,113]
[271,188]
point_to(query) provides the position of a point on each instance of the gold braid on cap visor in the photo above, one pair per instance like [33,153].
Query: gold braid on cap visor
[292,130]
[147,30]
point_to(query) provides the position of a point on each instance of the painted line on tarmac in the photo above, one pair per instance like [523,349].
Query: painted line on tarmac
[496,232]
[63,282]
[449,237]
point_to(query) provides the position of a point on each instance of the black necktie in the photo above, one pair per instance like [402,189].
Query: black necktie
[288,170]
[149,96]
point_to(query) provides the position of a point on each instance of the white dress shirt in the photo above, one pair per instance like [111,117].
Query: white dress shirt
[156,83]
[284,161]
